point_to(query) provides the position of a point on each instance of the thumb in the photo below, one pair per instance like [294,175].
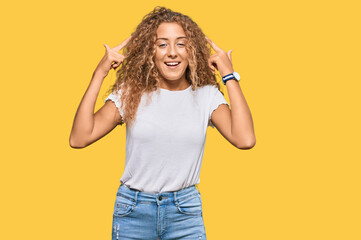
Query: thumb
[229,55]
[107,47]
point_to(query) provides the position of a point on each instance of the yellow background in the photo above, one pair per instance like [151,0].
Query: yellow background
[300,67]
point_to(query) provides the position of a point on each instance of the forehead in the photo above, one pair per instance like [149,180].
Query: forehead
[170,30]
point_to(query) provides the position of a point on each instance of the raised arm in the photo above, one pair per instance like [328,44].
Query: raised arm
[235,124]
[87,126]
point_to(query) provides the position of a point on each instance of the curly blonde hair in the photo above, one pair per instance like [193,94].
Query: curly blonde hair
[138,73]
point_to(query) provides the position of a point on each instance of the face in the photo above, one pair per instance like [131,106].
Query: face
[171,57]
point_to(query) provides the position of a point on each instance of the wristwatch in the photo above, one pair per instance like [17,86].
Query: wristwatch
[230,76]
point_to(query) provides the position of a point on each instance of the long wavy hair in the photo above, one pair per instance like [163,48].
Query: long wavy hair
[138,73]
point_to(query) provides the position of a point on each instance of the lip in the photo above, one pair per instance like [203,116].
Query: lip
[172,67]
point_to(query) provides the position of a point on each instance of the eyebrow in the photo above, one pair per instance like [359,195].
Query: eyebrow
[168,39]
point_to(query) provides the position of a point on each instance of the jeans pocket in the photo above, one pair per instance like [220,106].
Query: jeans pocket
[123,206]
[191,205]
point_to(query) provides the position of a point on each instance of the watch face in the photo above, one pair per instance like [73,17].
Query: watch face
[237,76]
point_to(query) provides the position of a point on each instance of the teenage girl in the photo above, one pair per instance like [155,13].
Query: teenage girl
[167,94]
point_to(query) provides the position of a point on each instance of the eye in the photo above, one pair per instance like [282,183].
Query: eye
[162,45]
[181,44]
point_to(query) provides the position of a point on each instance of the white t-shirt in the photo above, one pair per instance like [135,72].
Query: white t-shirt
[165,145]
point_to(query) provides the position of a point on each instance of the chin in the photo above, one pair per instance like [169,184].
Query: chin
[172,77]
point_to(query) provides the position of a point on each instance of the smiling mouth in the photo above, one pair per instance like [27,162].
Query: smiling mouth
[172,64]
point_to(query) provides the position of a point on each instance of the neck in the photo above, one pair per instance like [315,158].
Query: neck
[174,85]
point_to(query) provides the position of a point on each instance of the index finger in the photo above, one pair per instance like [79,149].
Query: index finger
[120,46]
[213,45]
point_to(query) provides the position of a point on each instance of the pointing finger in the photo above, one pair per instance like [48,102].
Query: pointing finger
[120,46]
[213,45]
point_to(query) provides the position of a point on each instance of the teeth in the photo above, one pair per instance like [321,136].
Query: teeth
[172,63]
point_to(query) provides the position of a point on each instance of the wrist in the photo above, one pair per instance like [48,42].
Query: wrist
[224,73]
[230,76]
[99,74]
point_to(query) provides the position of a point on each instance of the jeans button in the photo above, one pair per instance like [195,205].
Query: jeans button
[160,198]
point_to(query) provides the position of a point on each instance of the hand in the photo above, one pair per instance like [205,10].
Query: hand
[112,58]
[221,60]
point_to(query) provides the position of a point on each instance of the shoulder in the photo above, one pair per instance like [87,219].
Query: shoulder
[212,90]
[207,89]
[116,93]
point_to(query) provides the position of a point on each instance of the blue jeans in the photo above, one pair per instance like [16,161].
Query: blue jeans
[158,216]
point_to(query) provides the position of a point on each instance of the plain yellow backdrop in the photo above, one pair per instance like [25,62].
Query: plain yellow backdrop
[299,63]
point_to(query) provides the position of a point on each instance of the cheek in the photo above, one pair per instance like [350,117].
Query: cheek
[186,59]
[158,65]
[158,60]
[159,56]
[185,56]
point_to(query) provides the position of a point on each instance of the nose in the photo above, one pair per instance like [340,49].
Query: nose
[172,51]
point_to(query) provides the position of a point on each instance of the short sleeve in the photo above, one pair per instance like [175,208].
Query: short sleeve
[216,99]
[115,97]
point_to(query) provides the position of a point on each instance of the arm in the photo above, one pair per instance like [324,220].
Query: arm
[235,125]
[87,126]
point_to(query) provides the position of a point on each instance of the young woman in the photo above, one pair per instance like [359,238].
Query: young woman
[167,93]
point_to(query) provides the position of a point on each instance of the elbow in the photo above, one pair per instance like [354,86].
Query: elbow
[247,145]
[75,144]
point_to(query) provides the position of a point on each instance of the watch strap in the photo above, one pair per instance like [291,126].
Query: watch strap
[229,77]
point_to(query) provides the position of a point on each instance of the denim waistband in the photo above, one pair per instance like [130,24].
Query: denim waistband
[159,198]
